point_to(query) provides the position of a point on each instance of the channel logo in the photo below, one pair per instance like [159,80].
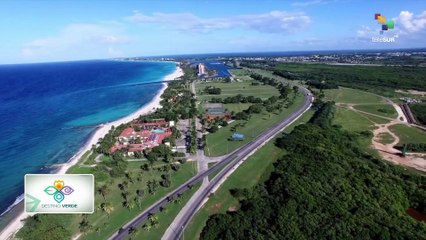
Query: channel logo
[59,193]
[386,25]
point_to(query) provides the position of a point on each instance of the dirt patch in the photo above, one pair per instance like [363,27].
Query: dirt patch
[232,209]
[389,153]
[215,208]
[412,92]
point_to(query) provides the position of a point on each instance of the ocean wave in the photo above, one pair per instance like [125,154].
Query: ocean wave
[19,199]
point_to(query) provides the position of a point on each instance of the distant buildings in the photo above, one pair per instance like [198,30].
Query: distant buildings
[215,111]
[141,136]
[201,69]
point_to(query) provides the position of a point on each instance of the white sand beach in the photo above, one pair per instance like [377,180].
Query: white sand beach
[17,223]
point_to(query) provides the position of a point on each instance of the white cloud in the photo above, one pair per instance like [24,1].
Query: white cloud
[98,38]
[272,22]
[408,23]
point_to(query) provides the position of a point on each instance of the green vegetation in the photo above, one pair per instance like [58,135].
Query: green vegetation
[218,144]
[351,120]
[250,173]
[419,111]
[236,107]
[353,96]
[212,90]
[326,187]
[416,147]
[379,79]
[231,89]
[240,74]
[408,134]
[384,110]
[385,138]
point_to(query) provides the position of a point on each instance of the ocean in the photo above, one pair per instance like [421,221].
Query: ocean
[49,110]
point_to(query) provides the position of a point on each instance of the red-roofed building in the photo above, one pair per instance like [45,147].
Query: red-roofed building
[145,139]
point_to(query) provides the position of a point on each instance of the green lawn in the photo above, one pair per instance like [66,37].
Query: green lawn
[218,143]
[375,119]
[351,120]
[386,138]
[252,171]
[270,74]
[231,89]
[348,95]
[241,74]
[236,107]
[121,215]
[384,110]
[408,134]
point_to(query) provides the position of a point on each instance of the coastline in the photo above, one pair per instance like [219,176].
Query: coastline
[100,132]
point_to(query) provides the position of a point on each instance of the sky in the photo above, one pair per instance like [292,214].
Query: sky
[46,31]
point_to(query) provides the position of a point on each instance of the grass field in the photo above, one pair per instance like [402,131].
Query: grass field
[251,172]
[120,215]
[241,74]
[375,119]
[231,89]
[348,95]
[386,138]
[384,110]
[218,143]
[236,107]
[351,120]
[408,134]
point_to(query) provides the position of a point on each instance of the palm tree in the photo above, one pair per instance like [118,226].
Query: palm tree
[132,232]
[131,204]
[138,201]
[103,191]
[107,208]
[125,194]
[147,226]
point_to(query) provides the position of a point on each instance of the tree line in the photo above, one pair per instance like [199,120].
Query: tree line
[325,187]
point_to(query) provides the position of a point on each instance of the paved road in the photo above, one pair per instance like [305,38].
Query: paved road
[227,163]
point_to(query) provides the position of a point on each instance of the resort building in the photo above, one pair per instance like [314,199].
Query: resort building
[147,136]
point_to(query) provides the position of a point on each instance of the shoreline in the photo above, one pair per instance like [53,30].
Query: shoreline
[100,132]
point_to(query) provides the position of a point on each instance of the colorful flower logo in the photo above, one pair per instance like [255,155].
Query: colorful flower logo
[386,25]
[58,190]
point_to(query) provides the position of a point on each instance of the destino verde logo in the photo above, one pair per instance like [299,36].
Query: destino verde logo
[59,190]
[59,193]
[386,25]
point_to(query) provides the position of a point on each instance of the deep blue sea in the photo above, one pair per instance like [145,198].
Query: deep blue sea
[46,111]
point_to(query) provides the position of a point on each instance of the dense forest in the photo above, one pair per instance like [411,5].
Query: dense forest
[326,187]
[419,111]
[369,78]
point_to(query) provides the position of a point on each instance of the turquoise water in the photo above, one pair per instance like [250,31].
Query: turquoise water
[49,110]
[158,130]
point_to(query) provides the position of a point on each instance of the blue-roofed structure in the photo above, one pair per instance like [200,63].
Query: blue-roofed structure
[237,136]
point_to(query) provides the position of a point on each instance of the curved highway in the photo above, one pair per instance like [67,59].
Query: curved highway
[227,164]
